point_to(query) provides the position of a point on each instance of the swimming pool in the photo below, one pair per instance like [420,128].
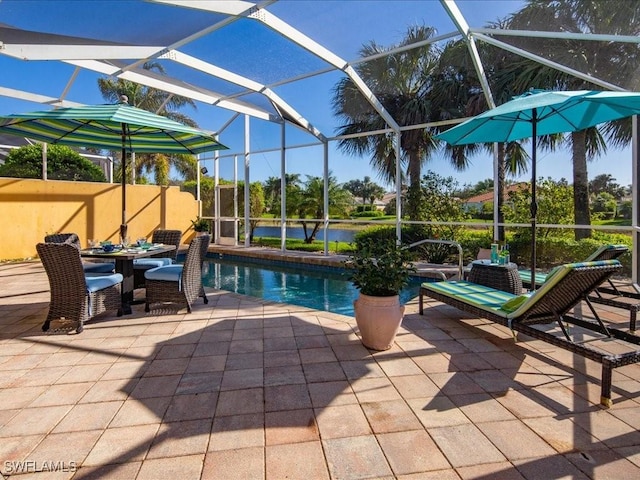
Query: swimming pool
[320,288]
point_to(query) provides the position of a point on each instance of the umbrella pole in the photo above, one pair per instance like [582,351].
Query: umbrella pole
[534,204]
[123,225]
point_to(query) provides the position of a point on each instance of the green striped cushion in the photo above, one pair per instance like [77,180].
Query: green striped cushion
[492,300]
[525,276]
[479,296]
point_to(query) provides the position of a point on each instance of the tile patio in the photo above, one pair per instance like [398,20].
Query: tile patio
[248,389]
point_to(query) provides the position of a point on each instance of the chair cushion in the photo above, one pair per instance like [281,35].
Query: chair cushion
[106,267]
[96,281]
[479,296]
[514,303]
[147,263]
[169,273]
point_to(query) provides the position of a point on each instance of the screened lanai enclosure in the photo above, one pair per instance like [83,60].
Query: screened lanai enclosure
[339,90]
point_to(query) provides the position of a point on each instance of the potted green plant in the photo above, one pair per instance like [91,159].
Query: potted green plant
[200,225]
[379,270]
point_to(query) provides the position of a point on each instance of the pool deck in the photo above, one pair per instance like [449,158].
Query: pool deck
[427,270]
[247,389]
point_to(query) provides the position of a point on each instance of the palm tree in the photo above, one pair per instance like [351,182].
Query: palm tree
[162,103]
[311,204]
[401,82]
[272,191]
[594,57]
[458,93]
[367,190]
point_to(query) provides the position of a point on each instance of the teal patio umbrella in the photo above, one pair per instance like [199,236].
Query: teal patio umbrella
[111,127]
[542,112]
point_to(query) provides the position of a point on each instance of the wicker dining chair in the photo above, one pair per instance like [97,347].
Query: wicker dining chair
[76,296]
[73,239]
[180,284]
[166,237]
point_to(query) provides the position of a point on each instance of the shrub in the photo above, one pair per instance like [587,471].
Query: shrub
[367,213]
[380,268]
[63,163]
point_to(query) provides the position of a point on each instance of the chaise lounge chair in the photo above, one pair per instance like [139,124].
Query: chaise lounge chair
[607,293]
[605,252]
[564,289]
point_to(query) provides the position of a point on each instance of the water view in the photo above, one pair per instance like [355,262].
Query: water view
[325,289]
[297,232]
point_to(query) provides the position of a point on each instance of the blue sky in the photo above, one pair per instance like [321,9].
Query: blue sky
[341,26]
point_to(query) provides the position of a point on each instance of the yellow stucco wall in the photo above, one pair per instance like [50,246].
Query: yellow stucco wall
[32,208]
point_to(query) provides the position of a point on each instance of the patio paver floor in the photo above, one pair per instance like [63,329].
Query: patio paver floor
[243,388]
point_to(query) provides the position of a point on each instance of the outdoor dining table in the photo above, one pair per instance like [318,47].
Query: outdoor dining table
[124,265]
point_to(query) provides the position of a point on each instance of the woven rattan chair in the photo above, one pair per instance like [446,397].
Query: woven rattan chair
[73,239]
[605,252]
[166,237]
[608,293]
[180,284]
[551,303]
[76,296]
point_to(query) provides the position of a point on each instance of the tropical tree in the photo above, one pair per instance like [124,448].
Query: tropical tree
[161,103]
[365,189]
[605,183]
[458,93]
[256,205]
[271,188]
[442,205]
[593,57]
[604,205]
[63,163]
[401,82]
[272,192]
[311,204]
[554,206]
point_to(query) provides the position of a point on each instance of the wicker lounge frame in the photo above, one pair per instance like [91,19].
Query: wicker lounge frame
[607,293]
[189,287]
[166,237]
[71,304]
[550,304]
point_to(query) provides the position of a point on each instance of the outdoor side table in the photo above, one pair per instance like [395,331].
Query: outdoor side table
[499,276]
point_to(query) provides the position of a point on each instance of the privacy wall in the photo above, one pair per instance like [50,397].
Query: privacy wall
[30,209]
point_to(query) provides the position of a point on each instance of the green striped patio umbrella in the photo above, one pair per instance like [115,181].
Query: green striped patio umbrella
[111,127]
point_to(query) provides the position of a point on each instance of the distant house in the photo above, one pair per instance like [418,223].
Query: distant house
[477,201]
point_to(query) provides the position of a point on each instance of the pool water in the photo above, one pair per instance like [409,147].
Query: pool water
[320,288]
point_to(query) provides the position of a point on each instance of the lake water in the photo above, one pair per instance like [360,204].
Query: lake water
[297,232]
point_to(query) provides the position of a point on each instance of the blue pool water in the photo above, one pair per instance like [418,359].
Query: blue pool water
[320,288]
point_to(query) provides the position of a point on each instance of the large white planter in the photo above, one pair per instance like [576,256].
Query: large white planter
[378,320]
